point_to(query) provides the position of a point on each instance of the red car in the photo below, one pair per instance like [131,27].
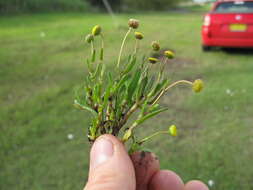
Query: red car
[228,24]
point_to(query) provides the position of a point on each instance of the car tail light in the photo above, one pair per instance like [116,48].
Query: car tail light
[207,20]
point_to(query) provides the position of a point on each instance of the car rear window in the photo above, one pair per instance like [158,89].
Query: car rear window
[235,7]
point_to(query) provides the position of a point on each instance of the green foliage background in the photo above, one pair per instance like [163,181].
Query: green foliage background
[15,6]
[151,4]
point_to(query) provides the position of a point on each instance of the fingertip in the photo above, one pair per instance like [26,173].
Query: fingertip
[119,148]
[166,180]
[110,165]
[195,185]
[110,137]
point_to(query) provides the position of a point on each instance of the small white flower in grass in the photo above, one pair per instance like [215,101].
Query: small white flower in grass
[70,136]
[226,108]
[228,91]
[42,34]
[210,183]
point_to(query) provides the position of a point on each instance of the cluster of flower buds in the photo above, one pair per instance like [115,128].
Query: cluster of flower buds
[156,47]
[96,31]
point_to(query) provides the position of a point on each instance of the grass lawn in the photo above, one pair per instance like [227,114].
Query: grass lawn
[41,63]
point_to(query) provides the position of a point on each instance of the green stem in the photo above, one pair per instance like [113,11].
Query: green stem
[92,47]
[122,45]
[162,67]
[102,47]
[170,86]
[151,136]
[129,113]
[102,39]
[136,46]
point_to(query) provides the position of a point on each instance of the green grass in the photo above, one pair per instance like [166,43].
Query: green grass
[38,76]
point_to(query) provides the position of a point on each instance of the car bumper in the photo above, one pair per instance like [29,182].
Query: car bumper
[228,42]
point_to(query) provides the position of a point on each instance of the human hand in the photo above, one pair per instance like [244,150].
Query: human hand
[111,168]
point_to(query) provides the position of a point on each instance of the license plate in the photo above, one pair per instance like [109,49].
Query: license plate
[238,27]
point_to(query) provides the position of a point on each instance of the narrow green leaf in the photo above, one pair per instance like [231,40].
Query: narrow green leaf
[149,115]
[107,94]
[141,87]
[154,107]
[89,66]
[159,87]
[143,61]
[120,98]
[93,131]
[130,65]
[84,107]
[121,82]
[133,85]
[150,85]
[98,70]
[102,70]
[101,54]
[93,57]
[134,148]
[110,77]
[144,107]
[97,93]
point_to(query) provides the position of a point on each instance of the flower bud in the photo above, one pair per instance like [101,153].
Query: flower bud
[138,35]
[169,54]
[173,130]
[89,38]
[155,45]
[133,23]
[197,85]
[96,30]
[152,60]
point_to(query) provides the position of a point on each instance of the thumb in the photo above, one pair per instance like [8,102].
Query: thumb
[110,166]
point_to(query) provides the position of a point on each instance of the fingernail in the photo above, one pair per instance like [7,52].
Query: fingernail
[101,151]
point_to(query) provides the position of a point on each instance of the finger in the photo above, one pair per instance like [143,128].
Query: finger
[195,185]
[146,164]
[166,180]
[110,166]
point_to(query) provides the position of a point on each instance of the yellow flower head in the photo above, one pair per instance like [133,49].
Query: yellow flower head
[133,23]
[197,85]
[155,45]
[152,60]
[89,38]
[173,130]
[96,30]
[169,54]
[138,35]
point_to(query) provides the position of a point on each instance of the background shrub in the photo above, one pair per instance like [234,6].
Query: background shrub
[150,4]
[15,6]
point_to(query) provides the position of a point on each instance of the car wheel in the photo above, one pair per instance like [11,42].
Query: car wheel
[206,48]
